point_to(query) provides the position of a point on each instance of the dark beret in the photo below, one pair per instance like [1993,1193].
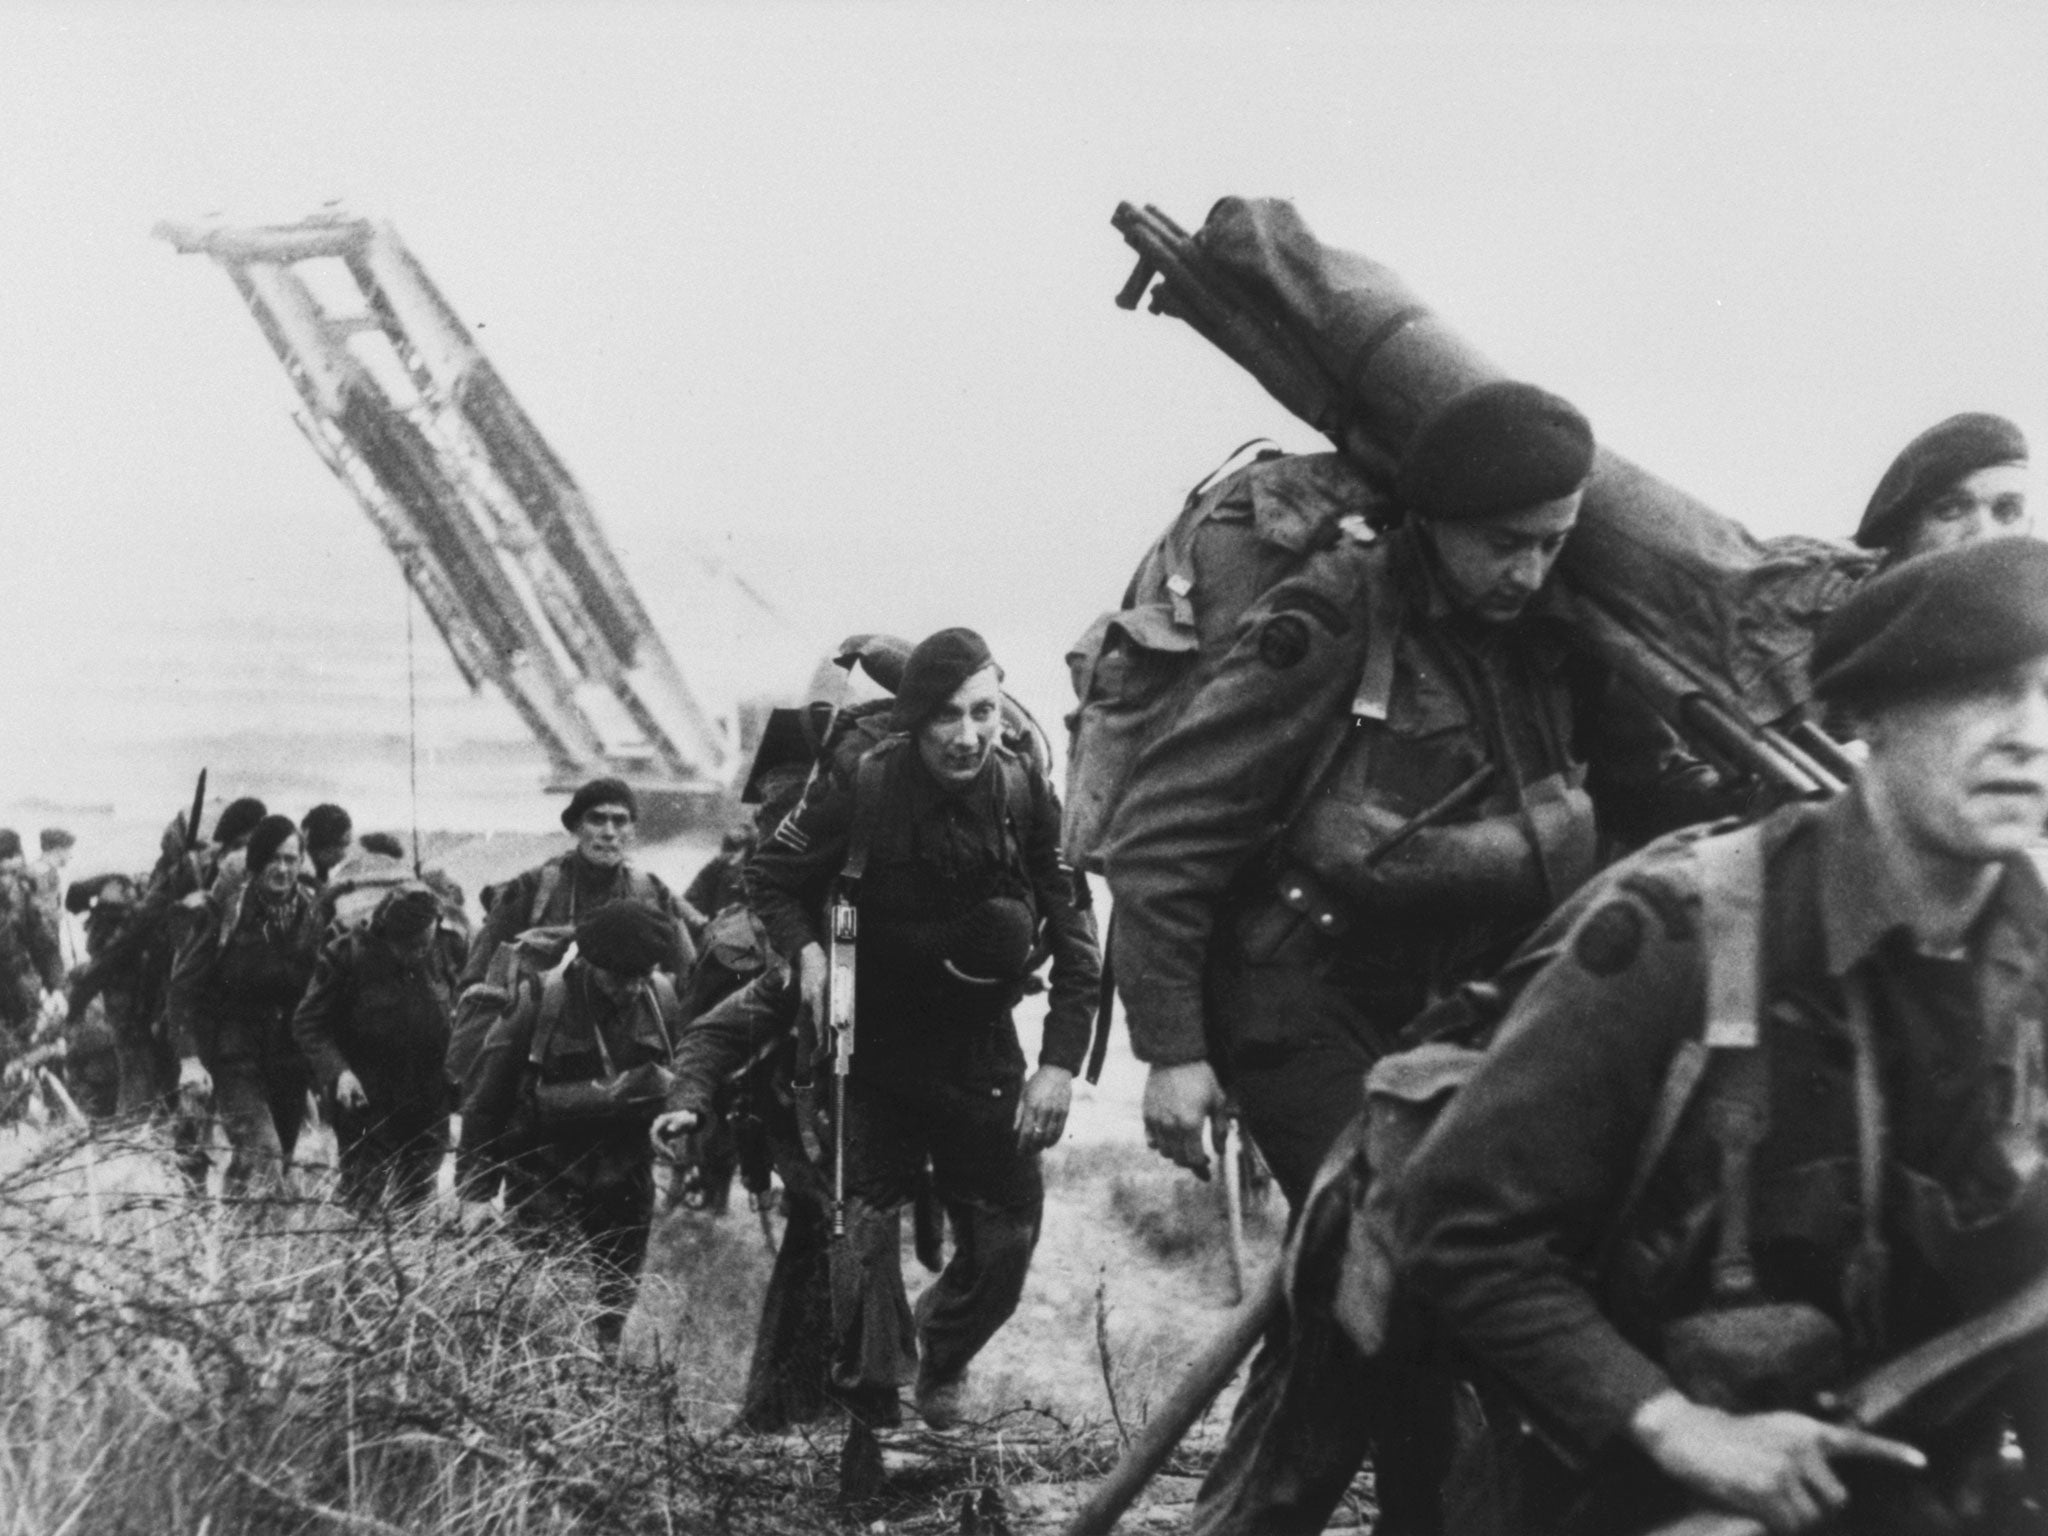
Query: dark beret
[55,837]
[990,941]
[239,819]
[10,843]
[326,825]
[626,938]
[1936,622]
[1930,465]
[407,911]
[269,836]
[934,673]
[600,792]
[1498,448]
[384,844]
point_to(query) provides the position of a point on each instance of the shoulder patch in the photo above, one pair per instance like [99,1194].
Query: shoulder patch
[1283,640]
[1677,910]
[1609,941]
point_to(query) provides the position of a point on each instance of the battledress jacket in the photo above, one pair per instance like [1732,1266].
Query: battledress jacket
[1193,853]
[240,974]
[937,851]
[1506,1213]
[384,1017]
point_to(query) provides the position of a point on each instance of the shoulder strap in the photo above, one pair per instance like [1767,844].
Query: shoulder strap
[544,891]
[868,774]
[1374,694]
[1731,882]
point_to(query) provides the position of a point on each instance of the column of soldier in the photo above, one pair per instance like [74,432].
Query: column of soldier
[1750,1098]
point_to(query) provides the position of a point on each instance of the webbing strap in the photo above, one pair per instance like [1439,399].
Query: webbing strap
[1731,920]
[867,811]
[1382,635]
[1869,1270]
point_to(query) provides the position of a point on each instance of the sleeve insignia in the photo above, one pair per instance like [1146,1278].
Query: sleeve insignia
[1283,640]
[1609,941]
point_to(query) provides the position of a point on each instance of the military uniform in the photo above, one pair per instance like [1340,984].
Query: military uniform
[30,959]
[937,1070]
[561,891]
[237,980]
[1508,1212]
[383,1016]
[790,1370]
[589,1181]
[1256,925]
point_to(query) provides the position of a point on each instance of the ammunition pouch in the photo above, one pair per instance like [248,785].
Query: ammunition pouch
[638,1093]
[1755,1358]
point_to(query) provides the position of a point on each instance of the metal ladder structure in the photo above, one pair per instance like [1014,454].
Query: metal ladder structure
[490,528]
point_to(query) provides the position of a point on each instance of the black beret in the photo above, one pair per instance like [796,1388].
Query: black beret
[934,673]
[1498,448]
[1930,465]
[10,843]
[626,938]
[239,819]
[384,844]
[407,911]
[55,837]
[990,941]
[600,792]
[1936,622]
[269,836]
[326,825]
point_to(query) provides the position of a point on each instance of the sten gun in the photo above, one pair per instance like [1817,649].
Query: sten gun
[1873,1400]
[1716,642]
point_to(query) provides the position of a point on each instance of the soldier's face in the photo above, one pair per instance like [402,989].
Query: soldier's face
[957,740]
[277,876]
[604,834]
[1494,566]
[326,855]
[1965,774]
[1990,504]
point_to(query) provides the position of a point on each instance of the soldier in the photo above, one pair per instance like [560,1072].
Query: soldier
[1861,1162]
[720,882]
[753,1031]
[1403,761]
[1962,479]
[238,978]
[105,1071]
[601,815]
[374,1027]
[951,842]
[48,872]
[557,1105]
[31,962]
[327,831]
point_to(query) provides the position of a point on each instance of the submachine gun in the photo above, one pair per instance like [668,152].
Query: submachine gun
[1711,624]
[841,932]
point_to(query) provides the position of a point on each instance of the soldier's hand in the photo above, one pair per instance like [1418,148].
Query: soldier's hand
[193,1078]
[348,1091]
[1042,1108]
[812,972]
[670,1128]
[1180,1104]
[1774,1467]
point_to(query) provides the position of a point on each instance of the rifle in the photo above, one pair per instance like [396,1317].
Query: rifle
[842,928]
[1881,1394]
[1333,383]
[198,809]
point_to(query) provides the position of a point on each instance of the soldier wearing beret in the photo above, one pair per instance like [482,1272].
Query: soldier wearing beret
[1401,764]
[601,816]
[962,882]
[374,1027]
[239,975]
[557,1105]
[1964,478]
[1859,1162]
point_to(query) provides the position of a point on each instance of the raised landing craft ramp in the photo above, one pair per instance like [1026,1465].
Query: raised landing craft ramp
[491,530]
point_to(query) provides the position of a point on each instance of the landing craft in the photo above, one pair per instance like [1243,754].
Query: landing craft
[492,532]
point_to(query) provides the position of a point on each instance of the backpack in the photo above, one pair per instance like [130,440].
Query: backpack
[1242,530]
[1352,1201]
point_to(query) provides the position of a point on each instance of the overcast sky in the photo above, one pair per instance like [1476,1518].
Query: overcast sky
[824,290]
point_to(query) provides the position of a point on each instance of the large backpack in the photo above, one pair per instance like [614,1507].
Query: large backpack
[1243,530]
